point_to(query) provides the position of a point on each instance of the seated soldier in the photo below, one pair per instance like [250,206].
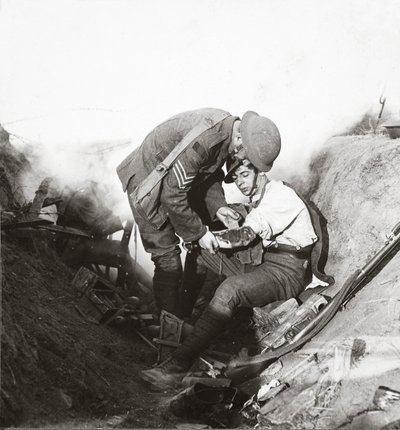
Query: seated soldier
[279,233]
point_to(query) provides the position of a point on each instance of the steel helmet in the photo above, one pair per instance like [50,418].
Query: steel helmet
[231,165]
[260,139]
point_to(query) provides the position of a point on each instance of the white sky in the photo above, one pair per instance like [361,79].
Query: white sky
[77,71]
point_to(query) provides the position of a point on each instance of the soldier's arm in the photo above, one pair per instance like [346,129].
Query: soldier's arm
[215,196]
[174,198]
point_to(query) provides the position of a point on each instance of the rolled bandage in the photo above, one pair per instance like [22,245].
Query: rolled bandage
[235,238]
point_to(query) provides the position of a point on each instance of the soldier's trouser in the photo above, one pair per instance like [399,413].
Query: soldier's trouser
[194,275]
[198,285]
[163,245]
[279,277]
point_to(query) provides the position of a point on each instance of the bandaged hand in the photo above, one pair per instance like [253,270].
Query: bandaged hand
[229,217]
[236,238]
[209,242]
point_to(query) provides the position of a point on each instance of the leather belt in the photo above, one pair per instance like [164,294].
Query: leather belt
[297,251]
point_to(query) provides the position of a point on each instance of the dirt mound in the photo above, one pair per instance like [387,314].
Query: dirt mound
[13,167]
[356,185]
[55,366]
[359,193]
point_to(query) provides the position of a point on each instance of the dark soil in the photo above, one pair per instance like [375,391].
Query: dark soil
[58,368]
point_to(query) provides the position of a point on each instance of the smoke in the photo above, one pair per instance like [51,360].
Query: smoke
[75,73]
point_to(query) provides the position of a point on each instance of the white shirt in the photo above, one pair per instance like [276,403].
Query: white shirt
[281,217]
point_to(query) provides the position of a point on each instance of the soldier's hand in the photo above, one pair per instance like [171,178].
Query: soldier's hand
[209,242]
[229,217]
[235,238]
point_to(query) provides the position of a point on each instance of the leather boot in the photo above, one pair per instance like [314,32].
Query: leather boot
[210,324]
[171,372]
[167,374]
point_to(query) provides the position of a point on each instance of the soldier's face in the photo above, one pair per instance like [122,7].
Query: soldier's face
[236,149]
[245,178]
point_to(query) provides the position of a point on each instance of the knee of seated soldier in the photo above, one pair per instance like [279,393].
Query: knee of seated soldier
[230,289]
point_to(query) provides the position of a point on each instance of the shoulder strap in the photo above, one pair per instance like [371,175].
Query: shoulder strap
[161,169]
[194,133]
[252,206]
[318,248]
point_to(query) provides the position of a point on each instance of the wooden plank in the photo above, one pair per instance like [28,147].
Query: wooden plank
[65,230]
[40,195]
[294,322]
[23,224]
[268,318]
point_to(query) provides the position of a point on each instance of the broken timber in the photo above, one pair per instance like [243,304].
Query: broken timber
[28,223]
[31,219]
[66,230]
[99,300]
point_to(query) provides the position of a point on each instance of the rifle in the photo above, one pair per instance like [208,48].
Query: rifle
[240,371]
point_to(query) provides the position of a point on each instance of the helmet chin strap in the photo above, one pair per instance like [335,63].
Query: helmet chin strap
[259,181]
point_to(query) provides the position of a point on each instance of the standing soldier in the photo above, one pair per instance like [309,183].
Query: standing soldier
[173,180]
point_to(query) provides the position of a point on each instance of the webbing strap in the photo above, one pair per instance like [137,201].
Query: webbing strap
[316,253]
[160,171]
